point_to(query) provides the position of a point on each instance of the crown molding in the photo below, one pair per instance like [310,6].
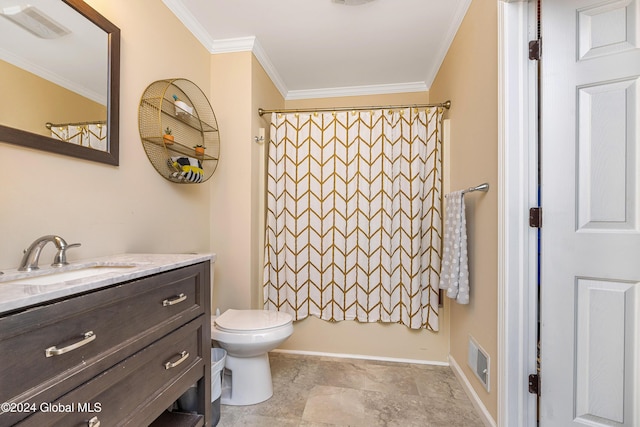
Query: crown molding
[448,39]
[357,90]
[239,44]
[270,69]
[188,20]
[246,44]
[251,44]
[46,74]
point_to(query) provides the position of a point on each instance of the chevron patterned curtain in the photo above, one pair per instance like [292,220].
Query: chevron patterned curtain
[354,203]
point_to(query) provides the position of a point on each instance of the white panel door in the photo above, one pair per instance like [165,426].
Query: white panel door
[590,154]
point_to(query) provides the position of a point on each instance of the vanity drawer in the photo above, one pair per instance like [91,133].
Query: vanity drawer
[123,319]
[124,394]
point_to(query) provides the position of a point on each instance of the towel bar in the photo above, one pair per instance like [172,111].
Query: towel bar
[482,187]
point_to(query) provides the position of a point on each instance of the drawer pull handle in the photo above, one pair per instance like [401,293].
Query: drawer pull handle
[94,422]
[87,337]
[173,301]
[183,356]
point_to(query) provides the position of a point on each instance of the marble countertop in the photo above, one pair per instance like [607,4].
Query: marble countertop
[17,292]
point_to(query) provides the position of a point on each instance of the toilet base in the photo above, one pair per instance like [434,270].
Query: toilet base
[250,380]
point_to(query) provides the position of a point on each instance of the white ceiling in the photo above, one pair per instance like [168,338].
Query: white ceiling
[318,48]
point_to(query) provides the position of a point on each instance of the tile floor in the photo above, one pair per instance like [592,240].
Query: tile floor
[315,391]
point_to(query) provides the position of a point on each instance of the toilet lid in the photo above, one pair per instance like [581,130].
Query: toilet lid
[251,320]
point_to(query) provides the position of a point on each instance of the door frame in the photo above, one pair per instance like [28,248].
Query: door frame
[518,191]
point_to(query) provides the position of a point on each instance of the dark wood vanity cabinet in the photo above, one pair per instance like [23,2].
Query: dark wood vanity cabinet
[116,356]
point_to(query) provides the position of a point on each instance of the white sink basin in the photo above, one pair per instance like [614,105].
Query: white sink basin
[65,276]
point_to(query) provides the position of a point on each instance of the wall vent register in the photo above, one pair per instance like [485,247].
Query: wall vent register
[478,361]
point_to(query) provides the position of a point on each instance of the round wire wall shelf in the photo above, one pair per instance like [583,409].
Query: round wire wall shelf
[179,131]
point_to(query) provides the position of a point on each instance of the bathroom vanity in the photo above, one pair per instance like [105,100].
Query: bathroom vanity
[116,347]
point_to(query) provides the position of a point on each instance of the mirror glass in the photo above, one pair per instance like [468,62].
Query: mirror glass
[59,62]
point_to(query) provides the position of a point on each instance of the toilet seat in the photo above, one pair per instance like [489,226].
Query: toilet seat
[251,320]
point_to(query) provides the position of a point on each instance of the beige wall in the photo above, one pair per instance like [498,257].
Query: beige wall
[109,209]
[23,92]
[264,95]
[239,87]
[469,77]
[231,203]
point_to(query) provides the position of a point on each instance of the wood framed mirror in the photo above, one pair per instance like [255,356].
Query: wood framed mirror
[61,81]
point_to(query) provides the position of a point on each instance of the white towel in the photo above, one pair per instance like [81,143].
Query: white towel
[454,276]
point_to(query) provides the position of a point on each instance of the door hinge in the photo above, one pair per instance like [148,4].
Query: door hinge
[534,384]
[535,217]
[535,50]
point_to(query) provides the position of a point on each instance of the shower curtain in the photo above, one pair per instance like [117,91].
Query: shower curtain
[92,135]
[353,229]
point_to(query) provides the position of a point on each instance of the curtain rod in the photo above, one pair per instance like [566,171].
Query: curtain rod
[49,125]
[446,104]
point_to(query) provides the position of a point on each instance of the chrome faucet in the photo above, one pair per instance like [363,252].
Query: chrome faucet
[32,253]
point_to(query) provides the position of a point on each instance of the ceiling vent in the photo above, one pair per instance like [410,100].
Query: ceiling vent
[352,2]
[34,21]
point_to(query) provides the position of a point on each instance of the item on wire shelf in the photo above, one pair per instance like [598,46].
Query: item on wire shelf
[182,108]
[187,169]
[167,136]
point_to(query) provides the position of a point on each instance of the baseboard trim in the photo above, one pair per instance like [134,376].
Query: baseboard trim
[486,417]
[362,356]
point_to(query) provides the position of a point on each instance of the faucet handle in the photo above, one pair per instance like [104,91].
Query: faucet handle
[60,258]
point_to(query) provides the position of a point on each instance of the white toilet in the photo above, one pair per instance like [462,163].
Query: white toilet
[247,336]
